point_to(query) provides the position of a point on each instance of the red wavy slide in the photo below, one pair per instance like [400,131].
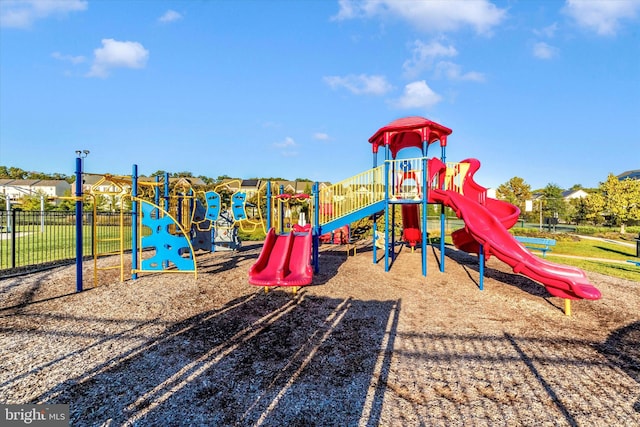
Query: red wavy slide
[285,260]
[482,226]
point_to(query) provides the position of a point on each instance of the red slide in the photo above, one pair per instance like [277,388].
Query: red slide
[484,227]
[285,260]
[411,224]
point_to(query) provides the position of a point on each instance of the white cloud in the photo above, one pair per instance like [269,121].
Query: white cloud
[417,95]
[170,16]
[602,16]
[453,71]
[321,136]
[423,56]
[428,16]
[548,31]
[23,13]
[69,58]
[117,54]
[542,50]
[286,143]
[361,84]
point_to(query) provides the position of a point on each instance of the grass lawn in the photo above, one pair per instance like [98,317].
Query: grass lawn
[598,249]
[57,242]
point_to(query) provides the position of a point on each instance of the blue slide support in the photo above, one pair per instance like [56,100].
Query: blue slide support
[442,217]
[317,230]
[425,189]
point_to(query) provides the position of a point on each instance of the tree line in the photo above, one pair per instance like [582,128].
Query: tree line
[615,202]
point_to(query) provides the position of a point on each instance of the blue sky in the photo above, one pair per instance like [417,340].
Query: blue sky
[545,90]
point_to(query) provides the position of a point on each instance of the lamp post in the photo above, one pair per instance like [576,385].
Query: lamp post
[80,156]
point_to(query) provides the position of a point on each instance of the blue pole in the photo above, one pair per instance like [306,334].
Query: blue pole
[425,189]
[156,191]
[166,191]
[375,219]
[481,267]
[269,207]
[79,248]
[386,215]
[281,210]
[316,226]
[443,157]
[166,202]
[134,221]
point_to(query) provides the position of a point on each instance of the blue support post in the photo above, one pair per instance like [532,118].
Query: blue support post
[269,207]
[166,201]
[156,191]
[425,189]
[166,192]
[317,230]
[79,209]
[481,266]
[281,210]
[385,238]
[375,220]
[443,157]
[134,221]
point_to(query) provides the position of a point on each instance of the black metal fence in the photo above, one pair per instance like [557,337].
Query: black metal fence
[32,240]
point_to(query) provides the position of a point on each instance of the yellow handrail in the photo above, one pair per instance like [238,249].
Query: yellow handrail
[351,194]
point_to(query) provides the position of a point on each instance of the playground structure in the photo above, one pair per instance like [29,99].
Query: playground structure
[413,183]
[168,223]
[169,226]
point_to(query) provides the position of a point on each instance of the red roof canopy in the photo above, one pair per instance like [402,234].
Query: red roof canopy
[409,132]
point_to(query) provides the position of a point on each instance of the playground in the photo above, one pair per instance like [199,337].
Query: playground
[360,346]
[393,328]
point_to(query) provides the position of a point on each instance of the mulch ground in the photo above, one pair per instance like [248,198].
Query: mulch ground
[361,346]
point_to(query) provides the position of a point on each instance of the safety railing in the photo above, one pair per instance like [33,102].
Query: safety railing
[406,179]
[351,194]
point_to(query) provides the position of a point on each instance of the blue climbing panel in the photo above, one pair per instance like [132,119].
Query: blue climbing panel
[213,205]
[168,247]
[238,202]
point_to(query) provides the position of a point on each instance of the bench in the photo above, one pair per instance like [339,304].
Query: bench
[536,243]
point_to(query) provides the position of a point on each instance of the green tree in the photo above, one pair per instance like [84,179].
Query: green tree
[35,202]
[622,200]
[594,204]
[515,191]
[577,210]
[553,204]
[17,173]
[66,204]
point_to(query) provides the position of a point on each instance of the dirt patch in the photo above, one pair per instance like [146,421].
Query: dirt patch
[359,347]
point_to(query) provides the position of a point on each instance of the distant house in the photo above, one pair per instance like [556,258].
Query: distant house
[574,194]
[15,189]
[634,174]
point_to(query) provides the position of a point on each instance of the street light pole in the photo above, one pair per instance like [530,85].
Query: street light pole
[80,155]
[540,208]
